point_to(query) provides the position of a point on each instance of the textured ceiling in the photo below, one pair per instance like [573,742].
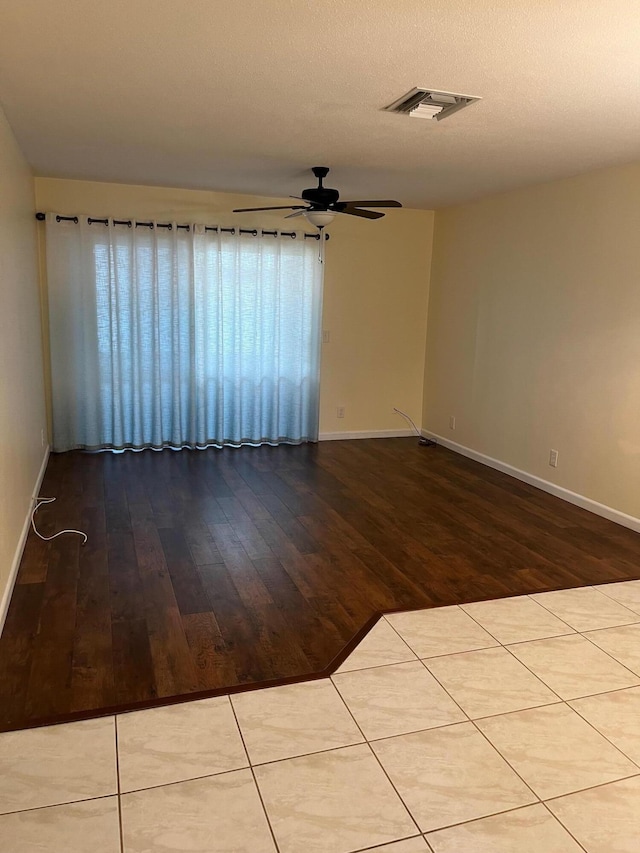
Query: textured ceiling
[246,96]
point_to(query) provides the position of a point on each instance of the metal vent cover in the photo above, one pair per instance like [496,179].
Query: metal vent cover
[430,104]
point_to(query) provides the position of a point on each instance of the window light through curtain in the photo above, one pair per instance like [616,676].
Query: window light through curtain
[175,338]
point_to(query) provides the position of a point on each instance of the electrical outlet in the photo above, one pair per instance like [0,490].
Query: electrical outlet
[452,422]
[553,458]
[326,336]
[340,412]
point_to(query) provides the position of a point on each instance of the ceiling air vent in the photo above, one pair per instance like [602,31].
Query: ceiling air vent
[426,103]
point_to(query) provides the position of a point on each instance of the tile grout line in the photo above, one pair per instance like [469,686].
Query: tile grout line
[413,731]
[189,779]
[444,654]
[461,652]
[577,790]
[598,587]
[455,702]
[253,776]
[527,708]
[566,828]
[602,734]
[57,805]
[575,633]
[574,698]
[506,760]
[527,596]
[609,628]
[605,652]
[390,843]
[516,711]
[341,671]
[591,788]
[634,621]
[601,693]
[539,678]
[373,753]
[486,817]
[115,726]
[530,595]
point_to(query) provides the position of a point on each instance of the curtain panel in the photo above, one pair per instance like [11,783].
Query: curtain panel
[175,338]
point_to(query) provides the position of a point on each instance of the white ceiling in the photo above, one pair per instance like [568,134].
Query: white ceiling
[245,96]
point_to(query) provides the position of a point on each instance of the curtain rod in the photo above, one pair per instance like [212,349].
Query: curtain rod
[129,222]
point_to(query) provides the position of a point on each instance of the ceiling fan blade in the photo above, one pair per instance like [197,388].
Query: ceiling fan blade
[365,214]
[251,209]
[297,213]
[376,203]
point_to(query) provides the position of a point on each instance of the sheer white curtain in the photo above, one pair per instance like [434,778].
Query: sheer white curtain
[176,338]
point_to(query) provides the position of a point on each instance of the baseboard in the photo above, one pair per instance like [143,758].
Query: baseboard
[6,596]
[603,510]
[378,433]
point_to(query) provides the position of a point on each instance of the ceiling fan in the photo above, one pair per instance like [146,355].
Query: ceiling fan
[322,204]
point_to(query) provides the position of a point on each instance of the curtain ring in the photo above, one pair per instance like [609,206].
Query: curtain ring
[293,235]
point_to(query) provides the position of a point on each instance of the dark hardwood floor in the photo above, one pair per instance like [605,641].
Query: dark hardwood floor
[216,570]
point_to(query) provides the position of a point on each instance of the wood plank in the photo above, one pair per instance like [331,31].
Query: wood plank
[49,688]
[92,676]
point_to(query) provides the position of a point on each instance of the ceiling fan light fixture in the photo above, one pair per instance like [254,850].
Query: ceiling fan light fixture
[319,218]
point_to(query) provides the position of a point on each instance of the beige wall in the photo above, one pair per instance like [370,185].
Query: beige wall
[375,298]
[534,332]
[22,414]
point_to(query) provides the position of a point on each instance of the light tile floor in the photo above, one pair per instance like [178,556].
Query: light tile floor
[508,726]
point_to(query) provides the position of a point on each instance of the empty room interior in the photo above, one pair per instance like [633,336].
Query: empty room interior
[320,426]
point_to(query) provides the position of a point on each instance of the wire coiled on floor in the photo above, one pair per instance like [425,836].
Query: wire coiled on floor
[40,501]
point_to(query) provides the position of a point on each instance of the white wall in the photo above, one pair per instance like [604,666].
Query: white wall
[534,332]
[22,410]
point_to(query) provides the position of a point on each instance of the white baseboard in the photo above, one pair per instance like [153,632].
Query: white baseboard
[11,580]
[379,433]
[603,510]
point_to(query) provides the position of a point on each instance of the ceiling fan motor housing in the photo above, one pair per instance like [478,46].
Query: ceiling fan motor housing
[320,196]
